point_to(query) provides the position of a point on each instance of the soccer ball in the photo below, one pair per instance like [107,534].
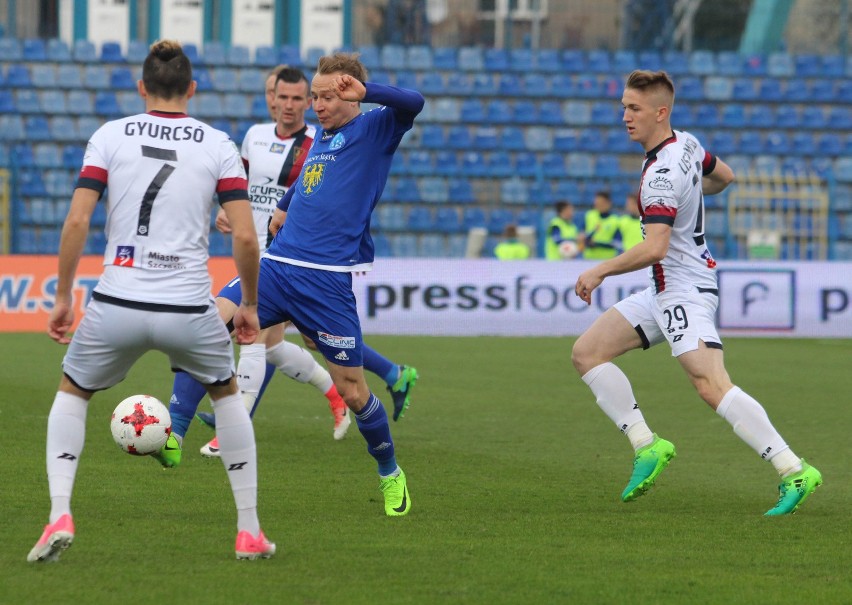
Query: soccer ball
[568,249]
[141,425]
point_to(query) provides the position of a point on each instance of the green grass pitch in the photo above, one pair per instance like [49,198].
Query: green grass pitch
[515,477]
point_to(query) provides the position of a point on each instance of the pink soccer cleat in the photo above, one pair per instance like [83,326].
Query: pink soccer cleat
[56,538]
[211,448]
[250,548]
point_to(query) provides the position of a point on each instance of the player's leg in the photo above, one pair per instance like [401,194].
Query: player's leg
[97,358]
[400,379]
[706,370]
[199,344]
[627,326]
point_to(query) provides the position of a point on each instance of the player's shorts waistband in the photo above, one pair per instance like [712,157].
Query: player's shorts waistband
[149,306]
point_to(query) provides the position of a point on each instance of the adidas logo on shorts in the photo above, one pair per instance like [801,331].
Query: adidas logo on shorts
[342,356]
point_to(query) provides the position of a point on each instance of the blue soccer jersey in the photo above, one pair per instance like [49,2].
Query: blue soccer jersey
[328,218]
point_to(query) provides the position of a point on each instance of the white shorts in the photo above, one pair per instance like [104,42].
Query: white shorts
[682,318]
[111,338]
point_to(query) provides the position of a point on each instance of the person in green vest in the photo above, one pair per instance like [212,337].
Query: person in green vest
[510,248]
[629,223]
[564,240]
[601,229]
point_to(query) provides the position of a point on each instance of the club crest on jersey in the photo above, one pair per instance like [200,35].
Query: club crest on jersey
[277,148]
[338,342]
[124,256]
[337,142]
[661,183]
[312,178]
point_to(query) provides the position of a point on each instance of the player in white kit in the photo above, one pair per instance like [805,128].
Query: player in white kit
[679,306]
[162,169]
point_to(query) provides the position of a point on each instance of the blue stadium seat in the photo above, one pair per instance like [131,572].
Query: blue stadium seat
[37,128]
[840,117]
[498,219]
[289,54]
[707,116]
[563,85]
[733,115]
[68,76]
[432,137]
[407,190]
[539,138]
[236,106]
[404,246]
[122,78]
[499,164]
[238,56]
[473,217]
[541,193]
[497,112]
[407,79]
[30,183]
[137,51]
[265,56]
[96,77]
[484,84]
[18,76]
[623,62]
[525,112]
[52,102]
[813,118]
[574,61]
[43,75]
[529,218]
[58,51]
[729,63]
[381,77]
[391,217]
[777,140]
[72,157]
[761,116]
[590,139]
[702,63]
[392,57]
[434,189]
[566,139]
[26,99]
[650,59]
[788,116]
[249,80]
[444,59]
[844,87]
[718,88]
[10,49]
[485,138]
[676,63]
[607,166]
[579,112]
[754,65]
[473,164]
[447,110]
[617,141]
[550,113]
[419,163]
[604,113]
[418,57]
[446,163]
[432,83]
[111,53]
[459,84]
[553,165]
[514,191]
[106,104]
[129,102]
[11,127]
[598,61]
[33,50]
[496,60]
[381,246]
[568,190]
[526,165]
[23,155]
[807,66]
[458,137]
[512,138]
[86,127]
[471,58]
[259,111]
[521,60]
[510,86]
[750,142]
[690,88]
[432,246]
[214,54]
[473,111]
[769,90]
[535,85]
[547,61]
[461,191]
[225,79]
[84,51]
[780,65]
[447,220]
[832,66]
[580,165]
[588,86]
[822,91]
[420,219]
[744,90]
[803,143]
[7,102]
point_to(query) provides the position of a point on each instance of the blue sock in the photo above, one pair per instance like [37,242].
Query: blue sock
[187,393]
[270,372]
[373,423]
[380,366]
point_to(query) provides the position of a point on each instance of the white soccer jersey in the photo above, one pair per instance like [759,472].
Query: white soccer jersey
[671,194]
[273,164]
[161,171]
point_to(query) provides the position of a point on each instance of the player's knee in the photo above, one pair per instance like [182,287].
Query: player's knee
[582,356]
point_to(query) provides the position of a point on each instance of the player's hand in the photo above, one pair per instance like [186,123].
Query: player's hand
[60,322]
[246,324]
[222,222]
[586,284]
[348,88]
[277,221]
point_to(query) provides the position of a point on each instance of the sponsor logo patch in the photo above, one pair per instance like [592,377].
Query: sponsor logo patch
[312,178]
[338,342]
[277,148]
[337,142]
[124,256]
[661,183]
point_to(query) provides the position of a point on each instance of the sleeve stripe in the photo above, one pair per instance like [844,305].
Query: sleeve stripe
[89,183]
[232,183]
[233,194]
[660,219]
[94,173]
[709,163]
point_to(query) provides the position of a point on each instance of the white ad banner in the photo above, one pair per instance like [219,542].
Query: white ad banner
[321,25]
[449,297]
[182,20]
[253,23]
[108,21]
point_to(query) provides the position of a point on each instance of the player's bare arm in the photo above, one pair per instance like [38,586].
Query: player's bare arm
[651,250]
[71,245]
[277,221]
[718,180]
[247,259]
[222,223]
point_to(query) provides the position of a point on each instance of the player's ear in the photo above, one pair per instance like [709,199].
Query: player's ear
[663,113]
[190,92]
[140,88]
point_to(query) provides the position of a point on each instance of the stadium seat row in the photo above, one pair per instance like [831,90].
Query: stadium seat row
[474,59]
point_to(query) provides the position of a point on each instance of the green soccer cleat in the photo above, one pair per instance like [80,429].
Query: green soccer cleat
[794,489]
[169,455]
[395,490]
[647,465]
[401,391]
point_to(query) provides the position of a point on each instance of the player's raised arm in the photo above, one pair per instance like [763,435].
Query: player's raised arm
[718,179]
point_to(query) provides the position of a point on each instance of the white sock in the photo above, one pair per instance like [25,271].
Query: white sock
[615,397]
[66,434]
[250,372]
[299,364]
[752,425]
[239,455]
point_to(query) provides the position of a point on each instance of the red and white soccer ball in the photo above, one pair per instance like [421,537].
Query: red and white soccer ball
[568,249]
[141,425]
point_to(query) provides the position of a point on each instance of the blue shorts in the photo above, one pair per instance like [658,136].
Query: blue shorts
[321,304]
[232,291]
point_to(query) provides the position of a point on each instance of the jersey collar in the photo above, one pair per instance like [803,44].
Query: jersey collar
[653,153]
[167,114]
